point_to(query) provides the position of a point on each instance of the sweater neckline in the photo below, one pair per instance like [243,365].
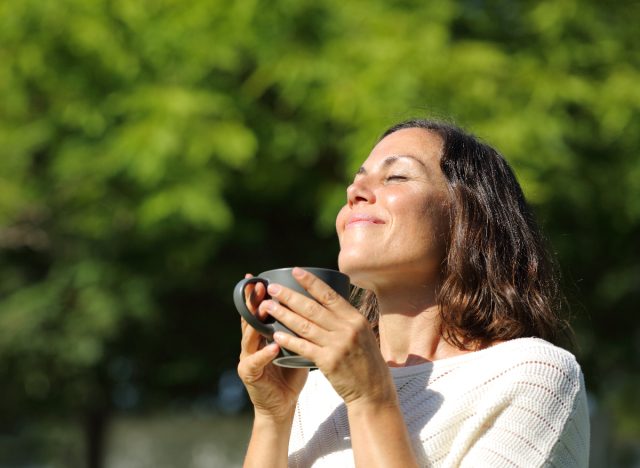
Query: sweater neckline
[440,364]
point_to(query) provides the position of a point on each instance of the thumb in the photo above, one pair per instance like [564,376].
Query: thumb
[252,367]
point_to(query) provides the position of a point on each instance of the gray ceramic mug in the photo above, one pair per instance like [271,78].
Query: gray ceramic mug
[336,280]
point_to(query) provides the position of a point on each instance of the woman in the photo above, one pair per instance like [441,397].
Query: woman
[453,364]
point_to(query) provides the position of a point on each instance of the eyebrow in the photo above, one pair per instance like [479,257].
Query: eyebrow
[391,160]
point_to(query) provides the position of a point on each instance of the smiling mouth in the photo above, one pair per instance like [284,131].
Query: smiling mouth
[361,220]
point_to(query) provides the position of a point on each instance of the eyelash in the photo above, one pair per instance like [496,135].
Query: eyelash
[396,177]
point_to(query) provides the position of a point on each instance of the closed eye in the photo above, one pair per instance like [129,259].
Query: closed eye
[396,178]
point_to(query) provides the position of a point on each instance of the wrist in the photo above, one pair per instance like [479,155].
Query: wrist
[273,421]
[273,432]
[373,404]
[382,395]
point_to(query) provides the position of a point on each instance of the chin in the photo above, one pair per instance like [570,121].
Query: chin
[360,269]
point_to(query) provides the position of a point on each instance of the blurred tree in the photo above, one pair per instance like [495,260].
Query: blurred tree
[152,152]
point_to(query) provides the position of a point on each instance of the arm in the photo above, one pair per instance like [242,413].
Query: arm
[379,436]
[273,408]
[269,443]
[273,391]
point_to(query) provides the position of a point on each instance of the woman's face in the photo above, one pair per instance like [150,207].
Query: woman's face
[393,227]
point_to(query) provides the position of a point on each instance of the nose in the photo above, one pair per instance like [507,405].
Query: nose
[360,192]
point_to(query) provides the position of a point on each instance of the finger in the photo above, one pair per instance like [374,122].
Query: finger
[251,341]
[244,324]
[298,345]
[250,296]
[245,327]
[258,293]
[248,291]
[254,294]
[294,322]
[251,367]
[321,310]
[302,305]
[318,289]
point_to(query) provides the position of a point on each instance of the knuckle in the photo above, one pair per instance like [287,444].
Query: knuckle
[332,363]
[352,336]
[329,297]
[360,322]
[242,370]
[329,367]
[249,369]
[284,294]
[314,310]
[305,328]
[302,346]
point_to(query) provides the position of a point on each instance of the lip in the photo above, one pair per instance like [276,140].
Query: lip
[362,220]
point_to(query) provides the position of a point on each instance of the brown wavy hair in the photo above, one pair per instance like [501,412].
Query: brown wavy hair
[499,281]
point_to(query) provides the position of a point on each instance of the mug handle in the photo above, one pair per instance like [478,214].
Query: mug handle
[265,329]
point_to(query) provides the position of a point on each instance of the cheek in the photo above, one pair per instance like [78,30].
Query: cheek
[422,223]
[407,210]
[435,226]
[438,212]
[341,218]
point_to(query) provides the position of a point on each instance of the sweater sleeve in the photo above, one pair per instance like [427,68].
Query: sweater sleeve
[537,417]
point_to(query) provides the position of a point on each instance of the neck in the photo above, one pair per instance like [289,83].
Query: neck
[409,326]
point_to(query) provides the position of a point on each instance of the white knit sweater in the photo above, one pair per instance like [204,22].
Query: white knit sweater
[521,403]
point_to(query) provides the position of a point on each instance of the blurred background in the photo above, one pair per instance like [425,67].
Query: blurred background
[153,151]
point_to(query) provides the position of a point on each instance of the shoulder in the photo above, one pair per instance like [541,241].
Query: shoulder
[528,396]
[519,366]
[549,392]
[526,370]
[534,356]
[516,358]
[536,373]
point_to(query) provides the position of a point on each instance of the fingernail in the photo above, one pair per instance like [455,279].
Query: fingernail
[279,336]
[298,272]
[274,289]
[269,305]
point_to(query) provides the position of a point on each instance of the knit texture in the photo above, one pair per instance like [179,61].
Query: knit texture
[521,403]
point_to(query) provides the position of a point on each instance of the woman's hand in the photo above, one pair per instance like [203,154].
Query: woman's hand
[273,390]
[335,336]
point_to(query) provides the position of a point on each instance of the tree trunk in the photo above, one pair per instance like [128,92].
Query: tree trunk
[95,428]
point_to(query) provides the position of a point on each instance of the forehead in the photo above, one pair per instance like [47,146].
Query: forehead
[419,143]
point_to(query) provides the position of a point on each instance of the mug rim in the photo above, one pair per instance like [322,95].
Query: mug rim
[304,268]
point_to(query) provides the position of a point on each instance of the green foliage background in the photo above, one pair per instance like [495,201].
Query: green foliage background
[151,152]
